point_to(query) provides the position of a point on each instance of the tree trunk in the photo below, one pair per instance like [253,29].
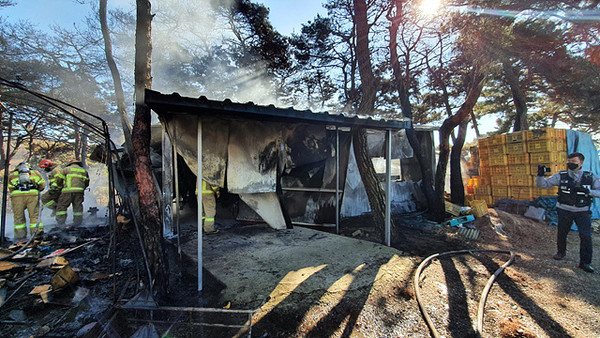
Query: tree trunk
[447,126]
[457,188]
[148,198]
[475,125]
[369,87]
[426,170]
[114,71]
[518,98]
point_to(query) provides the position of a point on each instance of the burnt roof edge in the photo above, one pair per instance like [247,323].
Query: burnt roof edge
[175,103]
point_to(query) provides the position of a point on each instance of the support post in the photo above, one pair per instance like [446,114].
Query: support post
[337,180]
[199,185]
[6,170]
[388,187]
[176,173]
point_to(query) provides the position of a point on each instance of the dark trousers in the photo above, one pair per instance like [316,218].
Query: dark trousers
[583,219]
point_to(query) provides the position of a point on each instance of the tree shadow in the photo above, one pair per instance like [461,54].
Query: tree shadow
[281,321]
[459,319]
[541,317]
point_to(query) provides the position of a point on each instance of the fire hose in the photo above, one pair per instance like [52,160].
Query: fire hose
[484,294]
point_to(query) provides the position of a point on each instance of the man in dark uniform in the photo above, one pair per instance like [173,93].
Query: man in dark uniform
[576,190]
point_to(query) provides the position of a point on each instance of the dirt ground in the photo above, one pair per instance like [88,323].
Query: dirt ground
[536,296]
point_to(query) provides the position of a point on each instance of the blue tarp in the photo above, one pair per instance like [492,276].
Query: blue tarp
[582,142]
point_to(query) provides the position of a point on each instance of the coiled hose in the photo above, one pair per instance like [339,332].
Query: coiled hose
[484,294]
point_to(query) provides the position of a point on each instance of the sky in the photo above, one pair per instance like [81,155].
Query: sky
[287,16]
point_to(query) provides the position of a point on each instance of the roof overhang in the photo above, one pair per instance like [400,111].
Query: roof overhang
[202,106]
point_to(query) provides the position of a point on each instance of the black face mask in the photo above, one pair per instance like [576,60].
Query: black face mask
[572,166]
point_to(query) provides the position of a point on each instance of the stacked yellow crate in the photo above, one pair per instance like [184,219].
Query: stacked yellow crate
[499,168]
[547,147]
[509,163]
[520,181]
[482,183]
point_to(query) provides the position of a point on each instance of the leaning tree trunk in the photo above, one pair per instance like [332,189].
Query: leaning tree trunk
[447,126]
[114,71]
[403,94]
[457,188]
[369,87]
[518,98]
[148,198]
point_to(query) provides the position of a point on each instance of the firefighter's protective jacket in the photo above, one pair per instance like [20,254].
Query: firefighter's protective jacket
[18,188]
[72,178]
[53,176]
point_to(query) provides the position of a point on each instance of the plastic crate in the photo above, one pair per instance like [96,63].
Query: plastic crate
[498,160]
[483,190]
[497,149]
[479,181]
[545,192]
[499,170]
[487,198]
[548,157]
[497,139]
[545,145]
[499,180]
[516,148]
[498,191]
[479,207]
[452,208]
[521,193]
[484,151]
[518,158]
[521,180]
[520,169]
[554,167]
[483,142]
[546,133]
[518,136]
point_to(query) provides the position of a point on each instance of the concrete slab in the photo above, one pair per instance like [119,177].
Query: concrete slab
[301,269]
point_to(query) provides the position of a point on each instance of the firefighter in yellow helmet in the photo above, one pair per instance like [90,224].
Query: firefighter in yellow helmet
[50,196]
[73,179]
[24,186]
[209,207]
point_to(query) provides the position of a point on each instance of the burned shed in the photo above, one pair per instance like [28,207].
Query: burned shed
[290,166]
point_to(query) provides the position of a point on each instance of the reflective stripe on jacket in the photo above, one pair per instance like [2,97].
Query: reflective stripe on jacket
[73,178]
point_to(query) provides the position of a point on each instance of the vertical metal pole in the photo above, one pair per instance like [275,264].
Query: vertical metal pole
[337,180]
[6,169]
[167,183]
[388,186]
[176,165]
[199,183]
[112,214]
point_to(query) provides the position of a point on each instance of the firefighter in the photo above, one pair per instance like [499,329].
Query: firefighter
[50,196]
[576,191]
[24,186]
[209,207]
[73,180]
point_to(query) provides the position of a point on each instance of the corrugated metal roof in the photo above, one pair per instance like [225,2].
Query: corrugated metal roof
[176,104]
